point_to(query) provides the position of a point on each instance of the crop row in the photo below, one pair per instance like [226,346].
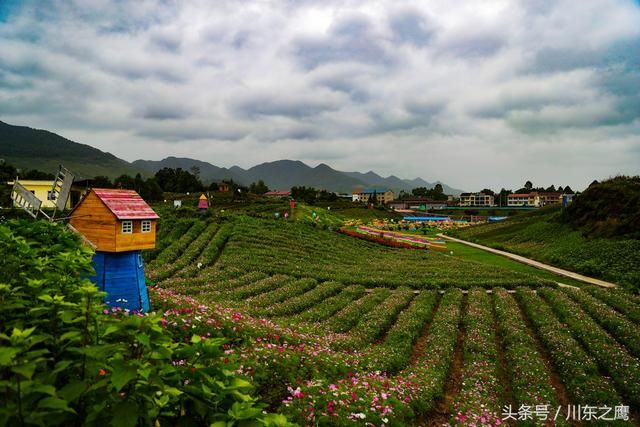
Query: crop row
[173,251]
[433,364]
[331,306]
[620,300]
[481,391]
[395,352]
[529,377]
[301,251]
[166,235]
[215,290]
[623,368]
[578,370]
[374,324]
[625,331]
[263,304]
[210,253]
[258,287]
[192,251]
[300,303]
[349,316]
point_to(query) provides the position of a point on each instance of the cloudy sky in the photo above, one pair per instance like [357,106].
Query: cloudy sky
[473,93]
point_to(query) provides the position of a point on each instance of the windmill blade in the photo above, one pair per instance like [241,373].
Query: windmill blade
[26,200]
[62,187]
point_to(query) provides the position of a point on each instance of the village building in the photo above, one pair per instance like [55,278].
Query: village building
[534,199]
[381,195]
[476,199]
[43,190]
[224,187]
[417,203]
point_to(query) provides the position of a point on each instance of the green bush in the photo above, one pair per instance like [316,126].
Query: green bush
[67,360]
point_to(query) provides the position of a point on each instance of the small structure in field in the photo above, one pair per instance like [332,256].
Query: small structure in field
[120,224]
[224,187]
[203,204]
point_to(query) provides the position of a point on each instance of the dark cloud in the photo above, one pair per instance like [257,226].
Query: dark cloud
[474,46]
[274,105]
[412,27]
[466,82]
[350,40]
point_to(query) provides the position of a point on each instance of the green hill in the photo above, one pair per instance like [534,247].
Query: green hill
[29,148]
[607,209]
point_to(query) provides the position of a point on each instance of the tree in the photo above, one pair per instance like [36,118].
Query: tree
[560,189]
[420,191]
[152,191]
[488,191]
[551,189]
[258,187]
[178,181]
[502,198]
[101,181]
[528,185]
[125,181]
[7,173]
[37,175]
[568,190]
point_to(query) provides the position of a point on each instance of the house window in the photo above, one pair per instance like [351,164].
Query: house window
[127,227]
[146,226]
[51,195]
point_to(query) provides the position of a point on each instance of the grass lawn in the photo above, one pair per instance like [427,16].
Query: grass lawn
[469,253]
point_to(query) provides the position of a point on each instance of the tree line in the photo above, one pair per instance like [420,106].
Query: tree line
[166,180]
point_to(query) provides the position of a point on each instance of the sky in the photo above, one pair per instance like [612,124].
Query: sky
[472,93]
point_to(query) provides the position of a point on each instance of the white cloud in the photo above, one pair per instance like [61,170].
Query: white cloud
[492,92]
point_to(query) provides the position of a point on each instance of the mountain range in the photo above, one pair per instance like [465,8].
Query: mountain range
[29,148]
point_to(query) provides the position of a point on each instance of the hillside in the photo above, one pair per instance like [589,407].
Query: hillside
[543,235]
[607,209]
[283,174]
[29,148]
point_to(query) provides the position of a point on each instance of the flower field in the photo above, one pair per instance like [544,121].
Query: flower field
[332,330]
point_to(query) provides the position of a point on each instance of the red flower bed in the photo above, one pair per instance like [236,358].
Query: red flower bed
[379,240]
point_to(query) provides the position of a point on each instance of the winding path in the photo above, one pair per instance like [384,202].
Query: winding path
[536,264]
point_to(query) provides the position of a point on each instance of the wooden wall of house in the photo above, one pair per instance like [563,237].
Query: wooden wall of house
[96,222]
[137,240]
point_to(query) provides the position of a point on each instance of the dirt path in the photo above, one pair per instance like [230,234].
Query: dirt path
[536,264]
[418,346]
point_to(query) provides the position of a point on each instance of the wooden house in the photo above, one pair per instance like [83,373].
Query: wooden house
[115,220]
[224,187]
[119,224]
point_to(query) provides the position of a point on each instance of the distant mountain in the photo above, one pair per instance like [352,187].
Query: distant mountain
[29,148]
[283,174]
[208,172]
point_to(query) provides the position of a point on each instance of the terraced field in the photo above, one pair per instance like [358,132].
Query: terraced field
[352,332]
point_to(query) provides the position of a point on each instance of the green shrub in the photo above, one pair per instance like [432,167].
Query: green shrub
[66,360]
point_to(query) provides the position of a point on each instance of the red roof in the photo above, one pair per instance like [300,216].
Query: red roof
[125,204]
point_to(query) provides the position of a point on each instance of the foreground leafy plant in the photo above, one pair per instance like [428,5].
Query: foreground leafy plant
[66,360]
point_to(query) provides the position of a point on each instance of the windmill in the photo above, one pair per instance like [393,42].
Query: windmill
[117,224]
[59,193]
